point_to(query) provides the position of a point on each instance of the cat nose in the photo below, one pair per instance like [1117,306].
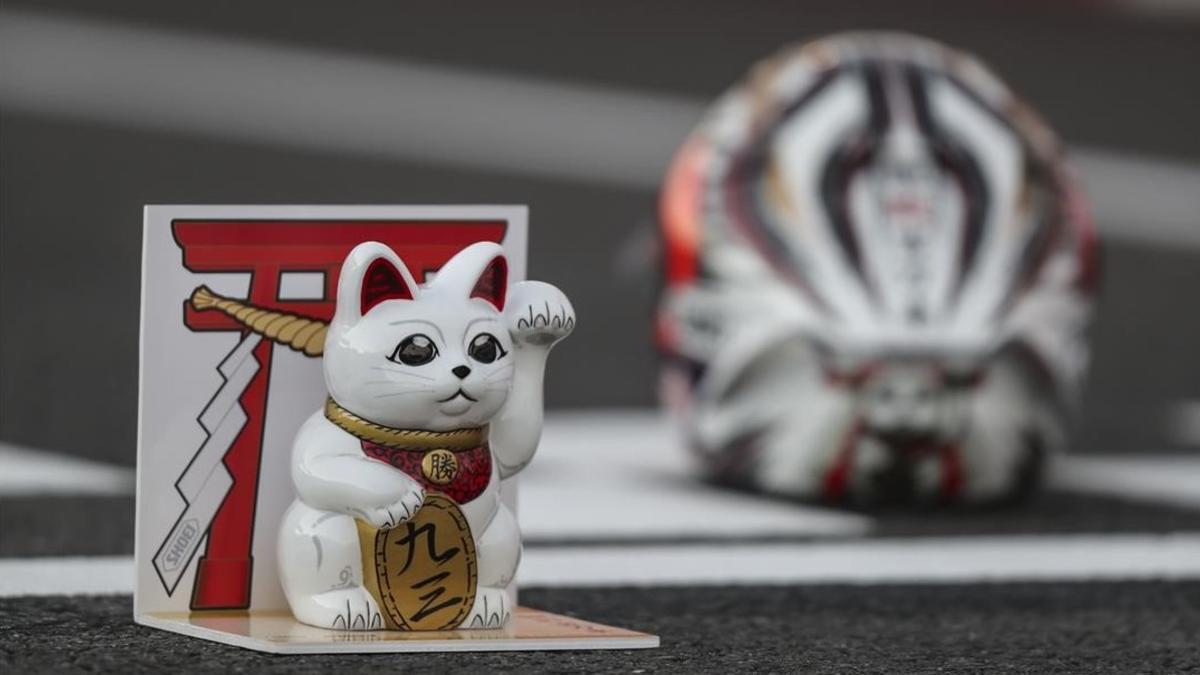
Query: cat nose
[461,372]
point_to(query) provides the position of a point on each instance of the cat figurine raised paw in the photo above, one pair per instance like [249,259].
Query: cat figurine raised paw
[435,396]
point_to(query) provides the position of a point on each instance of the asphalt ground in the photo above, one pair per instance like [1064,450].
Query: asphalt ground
[1003,628]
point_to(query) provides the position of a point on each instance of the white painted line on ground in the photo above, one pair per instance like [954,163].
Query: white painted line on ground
[1163,10]
[962,560]
[940,560]
[1173,480]
[624,474]
[260,92]
[597,508]
[26,472]
[264,93]
[66,576]
[1142,199]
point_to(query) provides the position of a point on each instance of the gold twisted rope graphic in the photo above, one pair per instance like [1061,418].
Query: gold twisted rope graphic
[298,332]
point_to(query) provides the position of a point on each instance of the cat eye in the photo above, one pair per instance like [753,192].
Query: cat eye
[414,350]
[485,348]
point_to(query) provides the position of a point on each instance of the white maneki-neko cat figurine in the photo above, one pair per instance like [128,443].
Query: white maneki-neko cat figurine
[435,396]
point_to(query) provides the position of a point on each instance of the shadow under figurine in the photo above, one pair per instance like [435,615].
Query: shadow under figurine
[435,396]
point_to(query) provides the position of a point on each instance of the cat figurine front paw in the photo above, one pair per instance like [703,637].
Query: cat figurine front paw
[435,396]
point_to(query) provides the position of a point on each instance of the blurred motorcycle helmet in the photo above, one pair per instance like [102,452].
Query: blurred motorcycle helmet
[879,275]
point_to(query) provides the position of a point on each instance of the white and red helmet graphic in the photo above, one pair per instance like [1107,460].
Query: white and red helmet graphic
[879,273]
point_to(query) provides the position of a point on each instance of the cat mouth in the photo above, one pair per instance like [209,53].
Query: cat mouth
[456,394]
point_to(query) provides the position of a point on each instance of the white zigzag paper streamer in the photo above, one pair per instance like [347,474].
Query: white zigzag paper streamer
[205,481]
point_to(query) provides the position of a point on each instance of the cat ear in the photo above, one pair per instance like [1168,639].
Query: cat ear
[478,271]
[383,281]
[493,283]
[372,274]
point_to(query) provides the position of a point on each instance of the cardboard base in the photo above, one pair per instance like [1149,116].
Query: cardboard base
[280,633]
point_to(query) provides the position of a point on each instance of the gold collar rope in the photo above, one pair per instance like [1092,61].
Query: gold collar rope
[401,439]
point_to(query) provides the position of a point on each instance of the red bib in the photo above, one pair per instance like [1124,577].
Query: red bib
[462,478]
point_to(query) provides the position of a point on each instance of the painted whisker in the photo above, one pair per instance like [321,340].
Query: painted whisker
[401,371]
[403,393]
[503,372]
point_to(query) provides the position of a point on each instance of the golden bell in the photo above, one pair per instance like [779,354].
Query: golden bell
[439,466]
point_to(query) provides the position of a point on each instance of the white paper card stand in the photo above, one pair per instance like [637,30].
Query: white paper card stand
[220,405]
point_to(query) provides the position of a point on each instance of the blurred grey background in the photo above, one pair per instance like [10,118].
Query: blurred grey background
[571,108]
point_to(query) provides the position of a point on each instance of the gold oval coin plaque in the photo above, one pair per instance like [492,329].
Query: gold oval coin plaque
[422,573]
